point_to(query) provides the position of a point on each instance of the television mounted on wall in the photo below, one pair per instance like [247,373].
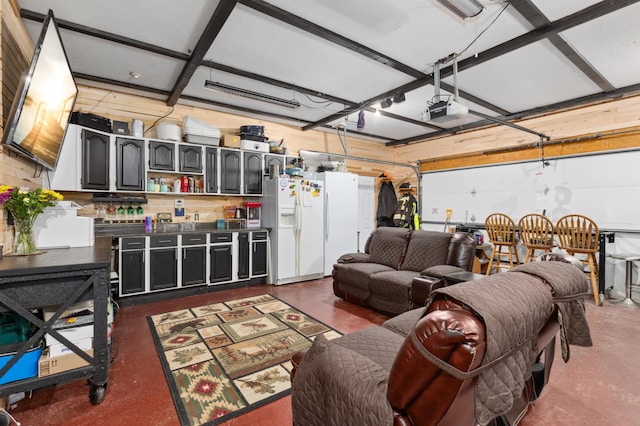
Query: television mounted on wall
[47,92]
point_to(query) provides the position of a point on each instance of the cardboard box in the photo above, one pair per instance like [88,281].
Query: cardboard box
[48,365]
[230,140]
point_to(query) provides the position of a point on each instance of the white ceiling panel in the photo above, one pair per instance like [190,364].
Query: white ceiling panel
[91,56]
[554,9]
[527,78]
[384,126]
[611,44]
[253,42]
[416,32]
[169,24]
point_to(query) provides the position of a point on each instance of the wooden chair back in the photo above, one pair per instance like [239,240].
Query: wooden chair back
[500,229]
[536,231]
[577,234]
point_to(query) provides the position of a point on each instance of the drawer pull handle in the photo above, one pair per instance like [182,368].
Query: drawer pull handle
[164,241]
[133,244]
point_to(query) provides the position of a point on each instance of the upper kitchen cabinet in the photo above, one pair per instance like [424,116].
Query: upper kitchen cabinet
[252,162]
[129,164]
[190,158]
[211,170]
[230,171]
[162,155]
[95,160]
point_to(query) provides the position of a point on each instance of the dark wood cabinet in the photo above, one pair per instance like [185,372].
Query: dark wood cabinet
[253,172]
[190,158]
[194,265]
[95,160]
[221,259]
[132,272]
[230,168]
[259,258]
[243,255]
[163,262]
[129,164]
[161,155]
[163,269]
[211,169]
[132,265]
[275,159]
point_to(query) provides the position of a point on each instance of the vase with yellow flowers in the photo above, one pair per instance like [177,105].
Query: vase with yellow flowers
[25,206]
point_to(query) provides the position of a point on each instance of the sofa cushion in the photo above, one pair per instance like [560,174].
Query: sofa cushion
[404,323]
[357,274]
[332,376]
[390,291]
[388,246]
[378,344]
[426,249]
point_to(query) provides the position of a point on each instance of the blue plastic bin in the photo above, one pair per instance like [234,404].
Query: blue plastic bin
[26,367]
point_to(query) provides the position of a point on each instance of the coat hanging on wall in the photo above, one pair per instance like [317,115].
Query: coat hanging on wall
[387,201]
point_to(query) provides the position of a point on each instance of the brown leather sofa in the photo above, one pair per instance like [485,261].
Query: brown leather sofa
[382,278]
[463,360]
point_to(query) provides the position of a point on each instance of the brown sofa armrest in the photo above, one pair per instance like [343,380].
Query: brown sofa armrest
[354,258]
[421,288]
[420,391]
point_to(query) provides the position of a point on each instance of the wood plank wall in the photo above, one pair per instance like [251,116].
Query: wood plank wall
[16,50]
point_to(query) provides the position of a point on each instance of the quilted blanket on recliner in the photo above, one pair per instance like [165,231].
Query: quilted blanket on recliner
[568,286]
[514,307]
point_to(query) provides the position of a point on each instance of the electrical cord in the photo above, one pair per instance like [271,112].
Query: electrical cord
[158,120]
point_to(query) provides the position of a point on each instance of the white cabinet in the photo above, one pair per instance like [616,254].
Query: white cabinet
[66,176]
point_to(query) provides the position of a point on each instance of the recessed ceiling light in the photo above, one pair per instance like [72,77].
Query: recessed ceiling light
[135,75]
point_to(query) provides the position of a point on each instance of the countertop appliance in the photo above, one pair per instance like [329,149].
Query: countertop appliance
[341,216]
[59,226]
[294,210]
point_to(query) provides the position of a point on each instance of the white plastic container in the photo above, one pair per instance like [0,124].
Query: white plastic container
[168,132]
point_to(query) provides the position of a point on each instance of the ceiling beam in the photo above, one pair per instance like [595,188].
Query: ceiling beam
[104,35]
[219,17]
[536,18]
[592,12]
[634,89]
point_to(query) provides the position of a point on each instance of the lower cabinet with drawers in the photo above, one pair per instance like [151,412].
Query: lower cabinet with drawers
[160,262]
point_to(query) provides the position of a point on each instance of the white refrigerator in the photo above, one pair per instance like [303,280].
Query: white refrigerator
[294,210]
[341,216]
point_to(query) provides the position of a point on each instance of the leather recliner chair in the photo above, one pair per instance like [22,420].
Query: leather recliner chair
[424,367]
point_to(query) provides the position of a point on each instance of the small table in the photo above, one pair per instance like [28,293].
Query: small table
[461,277]
[629,258]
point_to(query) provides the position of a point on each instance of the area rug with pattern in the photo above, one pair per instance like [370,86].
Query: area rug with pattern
[224,359]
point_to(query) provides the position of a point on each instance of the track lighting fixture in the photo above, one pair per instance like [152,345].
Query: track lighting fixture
[286,103]
[386,103]
[463,8]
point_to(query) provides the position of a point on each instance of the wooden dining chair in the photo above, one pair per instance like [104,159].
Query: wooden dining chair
[578,234]
[536,233]
[502,234]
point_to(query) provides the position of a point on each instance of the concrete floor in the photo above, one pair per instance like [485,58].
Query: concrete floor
[599,385]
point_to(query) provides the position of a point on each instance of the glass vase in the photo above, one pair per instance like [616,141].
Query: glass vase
[25,241]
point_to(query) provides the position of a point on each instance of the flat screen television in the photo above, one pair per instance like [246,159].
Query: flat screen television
[44,100]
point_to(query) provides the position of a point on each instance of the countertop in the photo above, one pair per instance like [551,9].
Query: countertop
[174,228]
[58,260]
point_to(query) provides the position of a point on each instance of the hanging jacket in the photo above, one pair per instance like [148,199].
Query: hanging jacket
[387,201]
[406,214]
